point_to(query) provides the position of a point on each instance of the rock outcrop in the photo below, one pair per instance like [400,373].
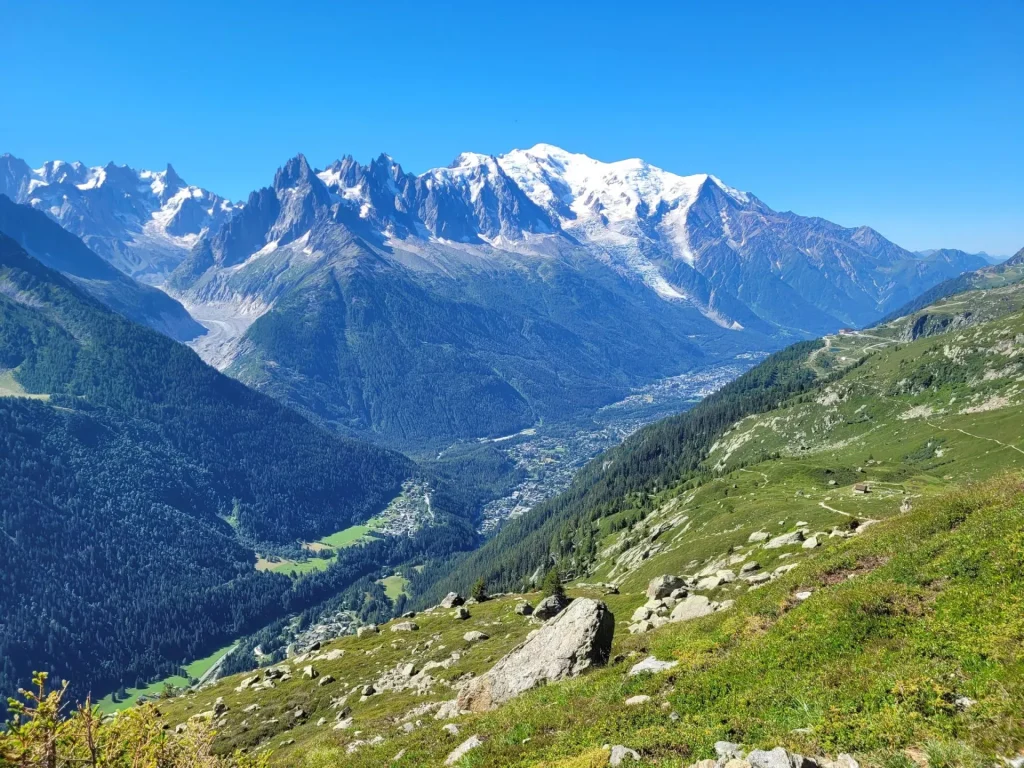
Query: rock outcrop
[578,638]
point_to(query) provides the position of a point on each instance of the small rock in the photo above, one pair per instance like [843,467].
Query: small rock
[523,608]
[367,690]
[758,578]
[692,607]
[369,629]
[750,567]
[451,729]
[635,701]
[727,750]
[811,543]
[785,540]
[709,582]
[405,626]
[463,749]
[651,665]
[408,670]
[321,722]
[758,536]
[802,595]
[460,613]
[621,755]
[474,636]
[325,680]
[409,615]
[451,600]
[962,703]
[309,673]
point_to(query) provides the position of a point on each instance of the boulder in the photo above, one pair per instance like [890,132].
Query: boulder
[460,613]
[643,613]
[577,639]
[369,629]
[474,636]
[758,578]
[523,608]
[325,680]
[405,626]
[709,582]
[651,665]
[309,673]
[785,540]
[778,758]
[811,543]
[750,567]
[622,755]
[692,607]
[550,607]
[662,586]
[451,600]
[727,750]
[758,536]
[463,749]
[451,729]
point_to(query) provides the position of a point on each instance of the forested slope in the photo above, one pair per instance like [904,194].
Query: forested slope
[135,481]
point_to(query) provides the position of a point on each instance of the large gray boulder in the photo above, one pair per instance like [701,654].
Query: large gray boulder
[578,638]
[663,586]
[452,600]
[550,606]
[692,607]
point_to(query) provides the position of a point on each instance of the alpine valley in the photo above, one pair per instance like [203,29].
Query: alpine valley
[235,432]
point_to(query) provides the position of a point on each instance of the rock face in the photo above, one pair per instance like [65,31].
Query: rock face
[663,586]
[577,639]
[550,606]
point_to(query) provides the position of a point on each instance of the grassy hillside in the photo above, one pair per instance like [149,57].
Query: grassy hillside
[909,639]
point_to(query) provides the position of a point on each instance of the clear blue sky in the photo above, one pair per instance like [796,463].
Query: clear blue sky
[908,116]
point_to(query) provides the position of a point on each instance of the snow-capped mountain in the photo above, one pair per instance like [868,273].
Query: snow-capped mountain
[476,298]
[142,222]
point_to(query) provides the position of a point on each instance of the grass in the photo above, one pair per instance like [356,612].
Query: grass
[394,585]
[193,671]
[9,387]
[348,537]
[904,619]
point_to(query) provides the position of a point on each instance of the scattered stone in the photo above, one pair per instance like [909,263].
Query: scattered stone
[247,682]
[309,673]
[321,722]
[621,755]
[523,608]
[463,749]
[475,636]
[785,539]
[811,543]
[451,600]
[750,567]
[460,613]
[578,638]
[726,576]
[725,605]
[408,670]
[662,586]
[709,582]
[408,727]
[550,607]
[398,756]
[325,680]
[643,613]
[783,569]
[635,701]
[963,703]
[651,665]
[405,626]
[219,707]
[367,690]
[369,629]
[758,578]
[451,729]
[409,615]
[776,758]
[448,710]
[803,595]
[727,750]
[758,536]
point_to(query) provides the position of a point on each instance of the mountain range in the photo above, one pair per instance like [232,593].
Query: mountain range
[478,299]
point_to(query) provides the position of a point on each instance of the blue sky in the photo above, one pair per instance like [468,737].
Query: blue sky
[907,116]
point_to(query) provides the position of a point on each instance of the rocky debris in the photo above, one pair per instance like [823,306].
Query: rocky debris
[475,636]
[786,539]
[635,701]
[663,586]
[463,749]
[732,756]
[448,710]
[451,600]
[408,670]
[367,690]
[405,626]
[248,682]
[451,729]
[601,586]
[651,665]
[369,629]
[575,640]
[550,607]
[621,755]
[274,673]
[460,613]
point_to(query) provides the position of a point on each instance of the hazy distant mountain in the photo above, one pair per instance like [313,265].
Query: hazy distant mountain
[142,222]
[59,249]
[987,257]
[478,298]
